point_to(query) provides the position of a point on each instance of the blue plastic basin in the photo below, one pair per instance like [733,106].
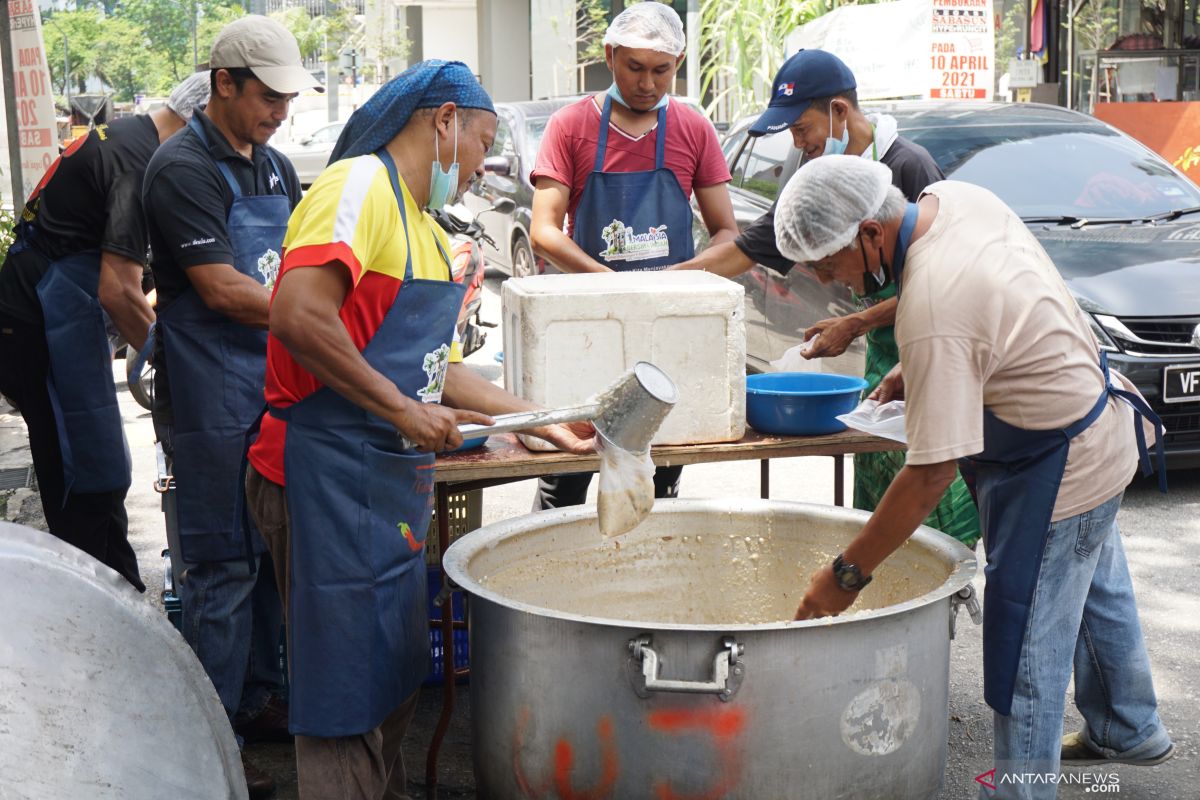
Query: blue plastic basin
[800,403]
[468,444]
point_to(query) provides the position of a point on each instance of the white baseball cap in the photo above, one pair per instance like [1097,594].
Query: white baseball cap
[267,49]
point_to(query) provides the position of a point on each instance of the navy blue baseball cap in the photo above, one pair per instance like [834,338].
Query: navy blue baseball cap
[804,77]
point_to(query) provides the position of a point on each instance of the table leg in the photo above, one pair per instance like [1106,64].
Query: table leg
[839,480]
[764,479]
[442,494]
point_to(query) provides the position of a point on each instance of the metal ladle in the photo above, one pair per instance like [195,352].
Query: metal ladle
[628,413]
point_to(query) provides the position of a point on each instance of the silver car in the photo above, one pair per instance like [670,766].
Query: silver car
[310,155]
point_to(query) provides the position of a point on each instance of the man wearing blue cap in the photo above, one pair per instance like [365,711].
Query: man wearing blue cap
[815,98]
[361,348]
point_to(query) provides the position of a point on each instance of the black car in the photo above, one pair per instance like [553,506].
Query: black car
[519,129]
[1120,223]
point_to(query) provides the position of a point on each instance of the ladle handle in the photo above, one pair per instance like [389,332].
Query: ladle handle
[523,421]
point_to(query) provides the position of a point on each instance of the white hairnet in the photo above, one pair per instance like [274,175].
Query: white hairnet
[821,207]
[647,26]
[190,94]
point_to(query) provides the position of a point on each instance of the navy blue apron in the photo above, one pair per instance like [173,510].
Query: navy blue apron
[360,506]
[1015,481]
[634,220]
[83,395]
[217,368]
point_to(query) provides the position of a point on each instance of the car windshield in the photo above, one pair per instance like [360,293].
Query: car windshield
[534,130]
[1059,171]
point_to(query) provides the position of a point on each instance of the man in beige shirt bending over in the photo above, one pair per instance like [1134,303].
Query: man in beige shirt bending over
[1001,375]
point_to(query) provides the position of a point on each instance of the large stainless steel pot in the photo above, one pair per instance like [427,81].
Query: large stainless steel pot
[640,667]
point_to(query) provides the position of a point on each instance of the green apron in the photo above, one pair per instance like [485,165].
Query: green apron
[955,513]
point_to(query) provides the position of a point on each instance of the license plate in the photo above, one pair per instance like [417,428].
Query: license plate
[1181,384]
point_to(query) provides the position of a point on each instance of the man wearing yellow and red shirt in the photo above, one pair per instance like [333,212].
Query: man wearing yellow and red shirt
[362,328]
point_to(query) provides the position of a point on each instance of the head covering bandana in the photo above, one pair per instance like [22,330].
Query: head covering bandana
[425,85]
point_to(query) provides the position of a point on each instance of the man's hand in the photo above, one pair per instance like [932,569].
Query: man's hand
[836,335]
[824,598]
[574,437]
[433,428]
[890,388]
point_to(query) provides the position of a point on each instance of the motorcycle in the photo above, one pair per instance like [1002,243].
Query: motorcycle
[467,265]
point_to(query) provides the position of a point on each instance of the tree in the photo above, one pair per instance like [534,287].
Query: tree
[742,47]
[83,29]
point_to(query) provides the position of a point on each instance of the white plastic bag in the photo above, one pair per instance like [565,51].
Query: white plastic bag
[886,421]
[626,488]
[795,358]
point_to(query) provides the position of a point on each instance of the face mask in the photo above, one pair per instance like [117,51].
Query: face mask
[615,94]
[836,147]
[443,185]
[872,283]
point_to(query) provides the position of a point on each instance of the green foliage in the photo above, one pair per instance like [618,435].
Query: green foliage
[742,47]
[591,21]
[138,46]
[7,221]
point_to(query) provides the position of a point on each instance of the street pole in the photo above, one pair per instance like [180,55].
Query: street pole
[10,110]
[692,63]
[66,72]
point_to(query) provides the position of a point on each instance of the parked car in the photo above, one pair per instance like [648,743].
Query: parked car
[519,130]
[311,153]
[1120,223]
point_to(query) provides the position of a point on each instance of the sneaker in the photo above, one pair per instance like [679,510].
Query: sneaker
[1077,753]
[271,724]
[259,785]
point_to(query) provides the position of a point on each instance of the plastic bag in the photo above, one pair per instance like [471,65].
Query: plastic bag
[626,488]
[795,358]
[886,421]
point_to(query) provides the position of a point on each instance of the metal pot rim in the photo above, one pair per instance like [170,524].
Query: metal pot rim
[458,557]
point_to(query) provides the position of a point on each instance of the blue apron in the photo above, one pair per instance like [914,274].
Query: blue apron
[359,508]
[634,220]
[83,395]
[217,368]
[1015,481]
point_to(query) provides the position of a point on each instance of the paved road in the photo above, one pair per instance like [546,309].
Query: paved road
[1162,541]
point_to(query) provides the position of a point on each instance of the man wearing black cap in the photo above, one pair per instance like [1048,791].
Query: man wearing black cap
[815,98]
[217,200]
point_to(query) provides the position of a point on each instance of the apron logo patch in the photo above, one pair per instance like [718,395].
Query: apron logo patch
[626,245]
[406,532]
[268,267]
[435,369]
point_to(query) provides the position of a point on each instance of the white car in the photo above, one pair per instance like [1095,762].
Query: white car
[310,155]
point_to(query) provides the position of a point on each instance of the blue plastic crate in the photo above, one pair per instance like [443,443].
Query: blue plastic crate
[461,650]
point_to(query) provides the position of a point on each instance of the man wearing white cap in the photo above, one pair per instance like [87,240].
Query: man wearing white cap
[1002,375]
[217,201]
[621,167]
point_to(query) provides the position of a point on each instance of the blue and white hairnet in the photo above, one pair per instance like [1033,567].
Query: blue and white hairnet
[426,85]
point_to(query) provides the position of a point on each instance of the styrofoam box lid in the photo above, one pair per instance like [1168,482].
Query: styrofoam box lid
[620,283]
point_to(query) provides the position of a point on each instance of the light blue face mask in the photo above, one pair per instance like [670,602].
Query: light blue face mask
[615,94]
[836,147]
[443,185]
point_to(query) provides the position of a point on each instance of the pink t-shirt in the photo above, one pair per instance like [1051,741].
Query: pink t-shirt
[567,153]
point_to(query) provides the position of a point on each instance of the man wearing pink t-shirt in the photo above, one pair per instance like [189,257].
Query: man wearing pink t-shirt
[621,168]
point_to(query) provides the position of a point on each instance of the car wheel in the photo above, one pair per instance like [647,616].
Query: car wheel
[522,258]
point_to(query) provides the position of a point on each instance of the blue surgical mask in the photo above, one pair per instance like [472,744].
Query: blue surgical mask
[443,185]
[615,94]
[836,147]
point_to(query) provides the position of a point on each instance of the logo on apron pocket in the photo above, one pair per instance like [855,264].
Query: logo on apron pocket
[435,365]
[268,267]
[626,245]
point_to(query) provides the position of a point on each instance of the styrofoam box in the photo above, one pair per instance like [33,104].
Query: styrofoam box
[567,337]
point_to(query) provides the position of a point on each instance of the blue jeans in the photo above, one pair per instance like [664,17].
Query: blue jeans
[232,620]
[1083,615]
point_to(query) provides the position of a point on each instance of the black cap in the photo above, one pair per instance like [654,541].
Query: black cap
[808,75]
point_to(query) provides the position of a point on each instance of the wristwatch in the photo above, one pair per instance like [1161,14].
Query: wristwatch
[849,576]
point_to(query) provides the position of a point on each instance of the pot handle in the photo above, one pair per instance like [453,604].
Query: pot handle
[965,597]
[728,671]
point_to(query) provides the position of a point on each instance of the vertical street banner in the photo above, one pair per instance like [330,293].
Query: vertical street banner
[34,98]
[962,50]
[941,49]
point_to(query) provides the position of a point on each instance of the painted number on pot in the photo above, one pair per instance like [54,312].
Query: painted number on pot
[720,727]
